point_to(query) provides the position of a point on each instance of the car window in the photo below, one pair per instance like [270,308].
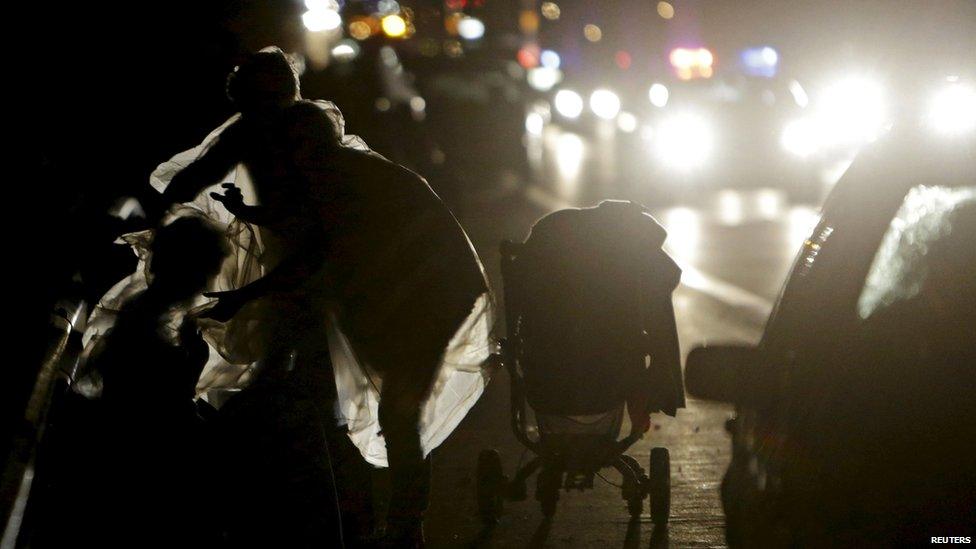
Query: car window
[906,373]
[819,310]
[919,247]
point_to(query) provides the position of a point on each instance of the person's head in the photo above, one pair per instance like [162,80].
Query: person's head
[265,82]
[186,254]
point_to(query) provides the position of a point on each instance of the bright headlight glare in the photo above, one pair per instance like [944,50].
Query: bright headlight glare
[568,103]
[952,110]
[534,123]
[683,141]
[470,28]
[543,78]
[800,137]
[324,19]
[658,94]
[627,122]
[605,104]
[853,110]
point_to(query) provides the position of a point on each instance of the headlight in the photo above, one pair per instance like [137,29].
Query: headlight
[800,137]
[852,111]
[627,122]
[952,110]
[543,78]
[534,123]
[683,141]
[605,104]
[658,94]
[470,28]
[568,103]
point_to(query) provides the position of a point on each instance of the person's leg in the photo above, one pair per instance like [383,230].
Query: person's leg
[402,396]
[351,474]
[284,492]
[410,362]
[354,486]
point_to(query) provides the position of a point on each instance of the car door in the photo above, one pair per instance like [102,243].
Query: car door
[891,444]
[873,341]
[761,492]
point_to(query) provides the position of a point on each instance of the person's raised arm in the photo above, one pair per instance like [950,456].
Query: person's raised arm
[233,200]
[293,272]
[212,165]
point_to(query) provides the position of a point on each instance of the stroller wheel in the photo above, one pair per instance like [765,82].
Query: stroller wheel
[547,489]
[660,485]
[634,487]
[490,486]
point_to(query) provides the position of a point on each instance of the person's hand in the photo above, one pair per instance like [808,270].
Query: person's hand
[192,341]
[232,199]
[641,425]
[638,408]
[227,305]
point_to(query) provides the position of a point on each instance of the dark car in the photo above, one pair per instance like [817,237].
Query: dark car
[856,416]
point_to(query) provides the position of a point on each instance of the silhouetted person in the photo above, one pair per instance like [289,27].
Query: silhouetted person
[348,232]
[134,478]
[144,360]
[594,303]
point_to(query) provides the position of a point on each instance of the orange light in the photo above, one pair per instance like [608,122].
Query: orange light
[528,56]
[550,10]
[394,26]
[360,29]
[592,33]
[528,22]
[682,58]
[704,57]
[665,10]
[692,63]
[451,23]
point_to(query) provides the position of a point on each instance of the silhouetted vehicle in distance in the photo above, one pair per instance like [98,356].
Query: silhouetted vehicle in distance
[725,132]
[855,416]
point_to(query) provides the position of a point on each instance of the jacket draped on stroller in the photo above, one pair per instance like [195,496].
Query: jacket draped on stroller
[591,290]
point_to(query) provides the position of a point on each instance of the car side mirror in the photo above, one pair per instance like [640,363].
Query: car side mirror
[723,372]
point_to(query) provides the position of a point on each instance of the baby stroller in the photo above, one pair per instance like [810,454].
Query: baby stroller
[575,431]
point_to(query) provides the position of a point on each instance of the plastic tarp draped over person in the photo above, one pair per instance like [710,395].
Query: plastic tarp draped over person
[238,346]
